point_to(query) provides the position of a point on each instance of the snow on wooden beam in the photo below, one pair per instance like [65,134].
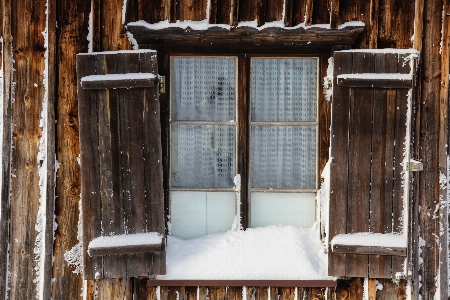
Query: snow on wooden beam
[375,80]
[246,33]
[116,81]
[126,244]
[370,243]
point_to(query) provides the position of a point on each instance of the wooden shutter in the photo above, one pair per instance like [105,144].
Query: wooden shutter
[121,171]
[370,140]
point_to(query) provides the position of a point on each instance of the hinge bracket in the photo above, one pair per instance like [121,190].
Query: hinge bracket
[414,166]
[162,84]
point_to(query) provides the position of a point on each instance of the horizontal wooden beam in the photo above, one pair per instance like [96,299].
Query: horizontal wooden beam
[376,80]
[377,250]
[271,283]
[145,34]
[128,249]
[117,81]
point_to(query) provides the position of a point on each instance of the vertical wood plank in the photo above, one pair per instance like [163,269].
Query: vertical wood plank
[274,11]
[288,13]
[115,289]
[395,24]
[112,31]
[339,166]
[309,12]
[153,174]
[223,11]
[359,162]
[7,65]
[194,10]
[381,170]
[152,11]
[334,14]
[248,10]
[90,185]
[234,293]
[287,293]
[298,12]
[320,13]
[217,293]
[213,11]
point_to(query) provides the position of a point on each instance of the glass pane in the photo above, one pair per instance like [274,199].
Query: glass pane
[283,157]
[203,156]
[203,89]
[284,89]
[195,214]
[295,209]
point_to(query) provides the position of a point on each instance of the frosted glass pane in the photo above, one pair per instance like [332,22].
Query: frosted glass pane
[284,89]
[283,157]
[203,89]
[296,209]
[195,214]
[221,209]
[203,156]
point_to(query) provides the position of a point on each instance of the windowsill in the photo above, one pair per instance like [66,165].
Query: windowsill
[258,256]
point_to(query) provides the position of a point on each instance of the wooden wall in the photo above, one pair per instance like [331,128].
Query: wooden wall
[389,23]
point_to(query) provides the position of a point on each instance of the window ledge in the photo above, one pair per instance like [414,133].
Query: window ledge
[274,33]
[254,256]
[271,283]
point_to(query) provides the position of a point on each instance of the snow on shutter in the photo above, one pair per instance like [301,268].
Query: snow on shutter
[370,142]
[121,171]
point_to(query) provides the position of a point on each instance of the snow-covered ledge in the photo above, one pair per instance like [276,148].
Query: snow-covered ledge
[246,33]
[370,243]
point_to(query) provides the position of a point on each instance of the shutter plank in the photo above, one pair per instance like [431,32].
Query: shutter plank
[90,186]
[130,102]
[376,80]
[153,166]
[339,164]
[400,129]
[115,81]
[381,193]
[112,210]
[359,163]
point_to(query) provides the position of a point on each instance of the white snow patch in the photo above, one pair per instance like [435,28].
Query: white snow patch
[74,256]
[111,77]
[273,252]
[147,238]
[132,40]
[120,51]
[237,219]
[386,50]
[329,78]
[370,239]
[204,25]
[375,76]
[124,11]
[323,195]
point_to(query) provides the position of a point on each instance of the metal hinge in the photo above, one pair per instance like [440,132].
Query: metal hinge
[162,84]
[414,166]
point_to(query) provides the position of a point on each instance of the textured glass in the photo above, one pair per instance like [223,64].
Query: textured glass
[283,157]
[294,209]
[203,156]
[284,89]
[195,214]
[203,89]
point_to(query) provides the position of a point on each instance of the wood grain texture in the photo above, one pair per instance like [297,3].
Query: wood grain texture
[29,63]
[7,65]
[193,10]
[362,249]
[72,19]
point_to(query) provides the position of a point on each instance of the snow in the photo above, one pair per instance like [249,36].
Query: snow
[74,256]
[120,51]
[385,50]
[265,253]
[375,76]
[370,239]
[110,77]
[204,25]
[120,240]
[329,78]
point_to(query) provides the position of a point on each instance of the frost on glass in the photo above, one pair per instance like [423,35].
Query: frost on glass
[283,157]
[295,209]
[195,213]
[203,89]
[284,89]
[203,156]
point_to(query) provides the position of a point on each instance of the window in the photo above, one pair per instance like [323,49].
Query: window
[272,146]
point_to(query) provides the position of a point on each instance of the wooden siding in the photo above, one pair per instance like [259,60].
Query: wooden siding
[389,23]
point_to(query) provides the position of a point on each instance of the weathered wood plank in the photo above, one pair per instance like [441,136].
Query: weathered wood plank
[117,250]
[377,80]
[107,82]
[223,12]
[194,10]
[29,64]
[395,24]
[334,14]
[360,132]
[288,13]
[72,19]
[90,185]
[114,289]
[111,29]
[377,250]
[274,11]
[153,11]
[339,165]
[245,35]
[298,12]
[309,8]
[248,10]
[7,65]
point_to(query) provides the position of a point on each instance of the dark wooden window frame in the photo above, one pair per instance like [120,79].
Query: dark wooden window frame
[243,53]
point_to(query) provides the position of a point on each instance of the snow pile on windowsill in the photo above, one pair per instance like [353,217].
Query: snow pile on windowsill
[370,239]
[266,253]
